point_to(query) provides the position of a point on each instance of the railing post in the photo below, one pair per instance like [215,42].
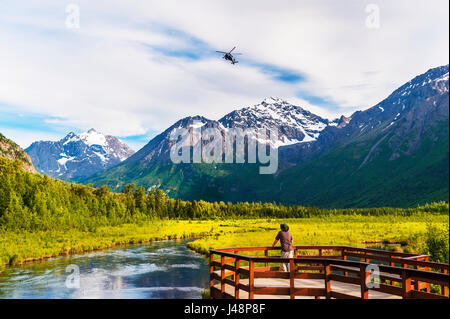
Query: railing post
[364,278]
[236,278]
[211,271]
[427,269]
[444,289]
[417,283]
[320,254]
[266,253]
[406,285]
[292,278]
[251,279]
[222,275]
[392,264]
[344,257]
[234,275]
[327,270]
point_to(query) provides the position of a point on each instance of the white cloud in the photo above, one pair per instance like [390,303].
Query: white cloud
[109,75]
[327,40]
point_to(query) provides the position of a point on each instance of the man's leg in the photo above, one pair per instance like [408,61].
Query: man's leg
[285,266]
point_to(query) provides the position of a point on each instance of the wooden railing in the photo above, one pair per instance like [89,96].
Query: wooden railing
[400,274]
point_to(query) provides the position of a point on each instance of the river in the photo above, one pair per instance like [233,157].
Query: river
[159,270]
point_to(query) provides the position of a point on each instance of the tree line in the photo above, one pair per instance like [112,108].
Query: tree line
[36,202]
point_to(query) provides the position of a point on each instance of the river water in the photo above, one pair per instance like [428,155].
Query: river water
[152,271]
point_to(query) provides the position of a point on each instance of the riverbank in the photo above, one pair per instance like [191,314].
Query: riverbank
[23,247]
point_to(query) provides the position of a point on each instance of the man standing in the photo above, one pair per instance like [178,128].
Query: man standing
[287,249]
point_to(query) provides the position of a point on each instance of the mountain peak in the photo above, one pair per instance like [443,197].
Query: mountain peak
[273,100]
[295,125]
[78,155]
[435,79]
[277,105]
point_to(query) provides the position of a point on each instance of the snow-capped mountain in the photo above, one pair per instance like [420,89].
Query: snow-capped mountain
[408,111]
[78,156]
[294,124]
[159,147]
[392,154]
[427,86]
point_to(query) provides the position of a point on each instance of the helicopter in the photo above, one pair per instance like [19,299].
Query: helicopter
[228,56]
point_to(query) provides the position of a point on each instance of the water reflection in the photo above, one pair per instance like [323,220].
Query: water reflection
[157,270]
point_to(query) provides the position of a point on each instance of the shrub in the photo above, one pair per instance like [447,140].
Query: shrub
[205,294]
[436,243]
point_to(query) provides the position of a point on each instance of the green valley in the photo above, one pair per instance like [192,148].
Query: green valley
[42,217]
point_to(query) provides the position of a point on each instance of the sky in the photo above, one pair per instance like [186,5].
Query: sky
[132,68]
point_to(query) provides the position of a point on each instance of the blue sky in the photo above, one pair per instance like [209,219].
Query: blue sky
[133,68]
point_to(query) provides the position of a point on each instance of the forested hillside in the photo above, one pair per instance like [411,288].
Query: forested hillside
[34,202]
[12,151]
[42,217]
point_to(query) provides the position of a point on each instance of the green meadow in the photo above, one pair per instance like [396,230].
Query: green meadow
[407,234]
[42,217]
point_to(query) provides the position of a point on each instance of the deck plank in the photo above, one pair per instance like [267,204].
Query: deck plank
[344,288]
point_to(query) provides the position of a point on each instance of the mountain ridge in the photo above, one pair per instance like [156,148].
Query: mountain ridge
[391,132]
[77,156]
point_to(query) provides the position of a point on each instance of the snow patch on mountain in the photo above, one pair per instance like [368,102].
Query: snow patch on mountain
[64,159]
[294,124]
[92,137]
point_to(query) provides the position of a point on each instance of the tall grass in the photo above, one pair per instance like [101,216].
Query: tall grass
[408,232]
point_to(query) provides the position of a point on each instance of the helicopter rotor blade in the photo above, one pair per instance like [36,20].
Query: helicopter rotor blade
[222,52]
[232,50]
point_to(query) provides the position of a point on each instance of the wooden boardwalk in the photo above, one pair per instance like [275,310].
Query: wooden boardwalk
[344,288]
[333,272]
